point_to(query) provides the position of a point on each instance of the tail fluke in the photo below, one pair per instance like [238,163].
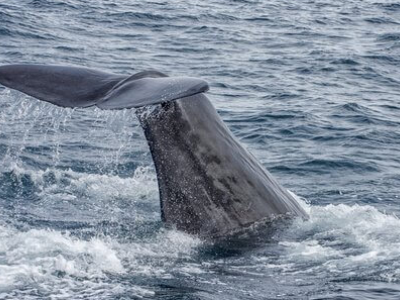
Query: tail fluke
[82,87]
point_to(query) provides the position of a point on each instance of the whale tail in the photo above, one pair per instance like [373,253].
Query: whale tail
[82,87]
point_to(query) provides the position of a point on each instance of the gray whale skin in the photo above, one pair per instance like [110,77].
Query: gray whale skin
[209,184]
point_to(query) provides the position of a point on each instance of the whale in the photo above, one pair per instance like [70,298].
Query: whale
[210,185]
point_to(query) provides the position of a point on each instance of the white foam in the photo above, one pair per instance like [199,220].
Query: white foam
[336,238]
[341,239]
[36,255]
[61,262]
[158,256]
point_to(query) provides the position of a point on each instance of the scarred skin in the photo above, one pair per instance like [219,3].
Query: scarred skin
[210,185]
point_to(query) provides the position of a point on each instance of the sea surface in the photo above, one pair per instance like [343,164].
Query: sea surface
[311,88]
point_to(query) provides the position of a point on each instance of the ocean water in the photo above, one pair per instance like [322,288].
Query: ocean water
[312,88]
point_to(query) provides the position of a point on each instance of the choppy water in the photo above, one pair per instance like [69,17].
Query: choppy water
[311,87]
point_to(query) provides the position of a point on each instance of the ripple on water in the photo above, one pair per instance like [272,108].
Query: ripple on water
[311,88]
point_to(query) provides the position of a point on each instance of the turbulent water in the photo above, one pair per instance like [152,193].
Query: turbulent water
[312,88]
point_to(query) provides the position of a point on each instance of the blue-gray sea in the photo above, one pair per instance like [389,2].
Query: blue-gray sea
[311,88]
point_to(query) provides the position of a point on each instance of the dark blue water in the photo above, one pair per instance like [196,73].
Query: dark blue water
[312,88]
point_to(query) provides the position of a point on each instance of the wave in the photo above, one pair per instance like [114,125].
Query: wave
[58,263]
[334,242]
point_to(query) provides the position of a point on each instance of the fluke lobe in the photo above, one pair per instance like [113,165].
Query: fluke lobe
[210,185]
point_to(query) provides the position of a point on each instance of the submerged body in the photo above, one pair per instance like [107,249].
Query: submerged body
[210,185]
